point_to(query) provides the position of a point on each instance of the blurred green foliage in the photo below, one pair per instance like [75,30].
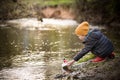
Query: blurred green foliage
[103,12]
[95,11]
[11,9]
[48,2]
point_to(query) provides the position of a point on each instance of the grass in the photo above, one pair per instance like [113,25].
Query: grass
[56,2]
[48,2]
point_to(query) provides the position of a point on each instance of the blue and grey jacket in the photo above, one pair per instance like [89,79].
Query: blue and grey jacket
[97,43]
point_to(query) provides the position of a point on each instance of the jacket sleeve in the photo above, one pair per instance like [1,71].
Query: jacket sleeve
[89,44]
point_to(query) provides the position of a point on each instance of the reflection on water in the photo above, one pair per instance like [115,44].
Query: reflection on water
[27,54]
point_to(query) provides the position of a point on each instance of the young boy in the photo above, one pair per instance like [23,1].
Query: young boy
[94,41]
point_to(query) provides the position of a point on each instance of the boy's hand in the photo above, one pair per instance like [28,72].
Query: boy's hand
[70,62]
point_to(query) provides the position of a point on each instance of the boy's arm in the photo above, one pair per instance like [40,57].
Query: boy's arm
[88,46]
[81,54]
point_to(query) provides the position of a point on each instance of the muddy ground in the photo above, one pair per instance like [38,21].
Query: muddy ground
[106,70]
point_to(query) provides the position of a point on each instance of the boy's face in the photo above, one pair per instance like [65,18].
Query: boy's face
[81,37]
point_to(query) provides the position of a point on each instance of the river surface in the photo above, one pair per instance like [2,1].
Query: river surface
[36,53]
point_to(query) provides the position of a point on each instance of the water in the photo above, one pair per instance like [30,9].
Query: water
[36,53]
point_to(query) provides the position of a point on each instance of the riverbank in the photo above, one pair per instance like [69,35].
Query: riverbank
[63,9]
[37,9]
[107,70]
